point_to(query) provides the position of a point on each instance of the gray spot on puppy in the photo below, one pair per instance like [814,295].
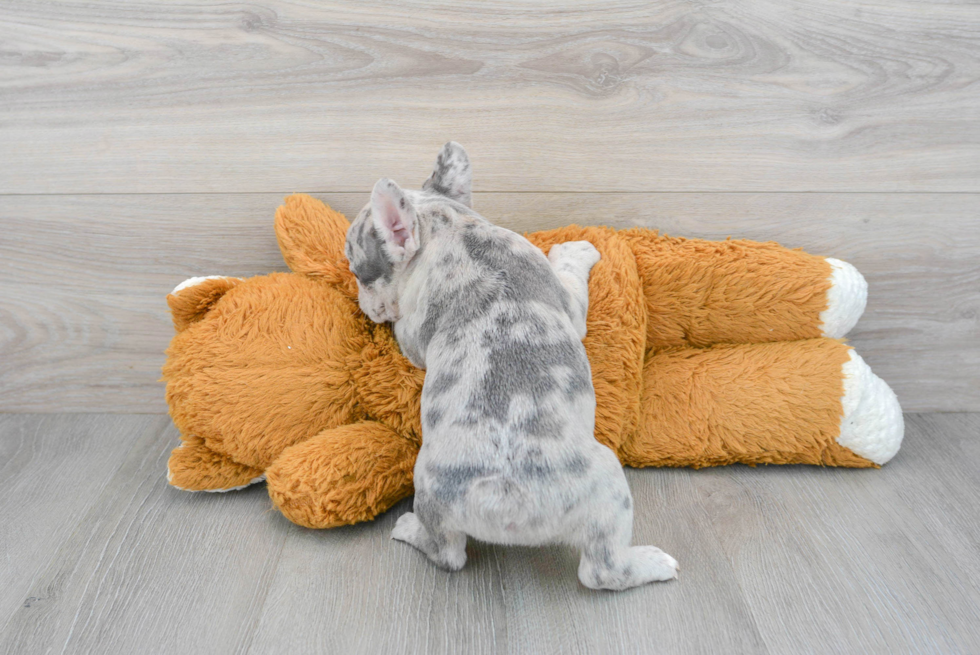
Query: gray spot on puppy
[544,424]
[441,382]
[374,262]
[518,367]
[458,308]
[577,464]
[432,417]
[539,467]
[450,482]
[526,277]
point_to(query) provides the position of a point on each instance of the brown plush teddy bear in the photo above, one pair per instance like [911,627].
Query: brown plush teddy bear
[703,353]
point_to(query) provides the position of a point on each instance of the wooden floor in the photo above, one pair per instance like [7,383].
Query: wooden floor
[144,143]
[100,555]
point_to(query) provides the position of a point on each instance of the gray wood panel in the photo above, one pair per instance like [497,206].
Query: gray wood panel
[773,560]
[52,469]
[848,95]
[379,599]
[145,568]
[84,323]
[842,555]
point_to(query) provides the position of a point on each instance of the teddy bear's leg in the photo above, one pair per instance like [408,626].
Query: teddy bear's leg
[806,402]
[699,293]
[195,467]
[191,299]
[343,475]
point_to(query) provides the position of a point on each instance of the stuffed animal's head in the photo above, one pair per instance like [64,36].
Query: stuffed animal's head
[260,364]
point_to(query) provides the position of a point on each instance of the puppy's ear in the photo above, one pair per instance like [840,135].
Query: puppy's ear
[395,219]
[451,176]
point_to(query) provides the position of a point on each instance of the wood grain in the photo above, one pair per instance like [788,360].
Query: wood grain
[385,602]
[548,611]
[847,95]
[773,560]
[52,469]
[856,559]
[84,323]
[148,568]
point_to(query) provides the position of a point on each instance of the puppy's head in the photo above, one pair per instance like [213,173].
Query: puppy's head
[385,236]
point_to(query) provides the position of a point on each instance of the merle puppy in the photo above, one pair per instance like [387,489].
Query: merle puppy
[508,409]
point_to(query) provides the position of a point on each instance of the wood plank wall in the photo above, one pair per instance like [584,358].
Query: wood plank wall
[148,143]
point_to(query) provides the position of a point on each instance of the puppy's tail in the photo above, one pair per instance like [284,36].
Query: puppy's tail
[499,502]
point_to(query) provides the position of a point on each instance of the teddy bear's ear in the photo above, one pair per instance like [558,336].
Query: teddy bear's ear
[311,237]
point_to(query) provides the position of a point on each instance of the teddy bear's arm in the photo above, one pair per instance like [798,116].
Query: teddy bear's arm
[343,475]
[805,402]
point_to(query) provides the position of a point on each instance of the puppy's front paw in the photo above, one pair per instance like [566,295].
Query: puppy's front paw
[581,253]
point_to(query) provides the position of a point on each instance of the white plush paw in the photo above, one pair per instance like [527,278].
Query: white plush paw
[582,253]
[872,425]
[194,281]
[846,299]
[652,564]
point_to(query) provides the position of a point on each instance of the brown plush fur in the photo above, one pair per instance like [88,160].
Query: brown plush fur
[702,353]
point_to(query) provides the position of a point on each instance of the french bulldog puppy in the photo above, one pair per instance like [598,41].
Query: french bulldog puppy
[508,408]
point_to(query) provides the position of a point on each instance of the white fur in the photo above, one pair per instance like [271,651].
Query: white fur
[872,425]
[846,299]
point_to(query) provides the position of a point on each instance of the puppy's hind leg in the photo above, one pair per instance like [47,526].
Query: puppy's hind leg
[572,263]
[608,561]
[424,530]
